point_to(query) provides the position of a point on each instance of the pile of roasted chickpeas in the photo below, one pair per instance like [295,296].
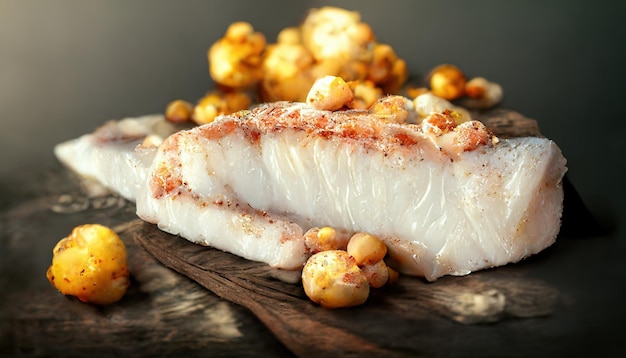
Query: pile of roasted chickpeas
[330,41]
[343,268]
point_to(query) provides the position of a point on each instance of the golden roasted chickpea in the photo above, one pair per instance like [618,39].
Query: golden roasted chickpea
[151,141]
[329,93]
[392,276]
[366,248]
[90,264]
[427,104]
[236,101]
[382,61]
[325,238]
[352,71]
[365,94]
[208,108]
[286,73]
[335,33]
[447,81]
[439,123]
[476,87]
[290,36]
[415,91]
[218,103]
[473,134]
[333,280]
[386,69]
[482,93]
[235,59]
[399,75]
[393,109]
[179,111]
[377,273]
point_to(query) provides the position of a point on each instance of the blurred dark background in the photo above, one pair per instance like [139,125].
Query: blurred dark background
[68,66]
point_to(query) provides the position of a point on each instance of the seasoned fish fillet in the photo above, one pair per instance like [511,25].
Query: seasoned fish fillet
[446,199]
[114,155]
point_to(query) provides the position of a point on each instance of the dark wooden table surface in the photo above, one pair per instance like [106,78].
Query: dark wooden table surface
[187,300]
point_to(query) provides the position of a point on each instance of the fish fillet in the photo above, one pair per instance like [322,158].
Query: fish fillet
[447,201]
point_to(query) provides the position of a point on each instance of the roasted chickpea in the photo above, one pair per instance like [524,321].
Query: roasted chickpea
[90,264]
[179,111]
[325,238]
[365,94]
[333,280]
[394,109]
[366,248]
[218,103]
[482,93]
[447,81]
[329,93]
[377,273]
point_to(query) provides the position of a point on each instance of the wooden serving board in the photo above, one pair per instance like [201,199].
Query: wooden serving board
[308,330]
[191,300]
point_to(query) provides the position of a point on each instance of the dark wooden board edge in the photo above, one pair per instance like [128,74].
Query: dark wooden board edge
[309,330]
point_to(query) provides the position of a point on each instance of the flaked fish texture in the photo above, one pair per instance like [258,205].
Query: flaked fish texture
[446,199]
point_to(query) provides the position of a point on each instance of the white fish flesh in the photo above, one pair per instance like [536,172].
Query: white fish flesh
[447,200]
